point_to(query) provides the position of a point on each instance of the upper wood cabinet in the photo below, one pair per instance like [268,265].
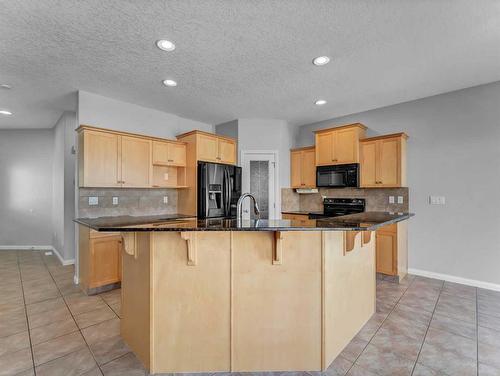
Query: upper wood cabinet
[339,145]
[169,153]
[210,147]
[135,162]
[109,158]
[303,167]
[383,161]
[99,161]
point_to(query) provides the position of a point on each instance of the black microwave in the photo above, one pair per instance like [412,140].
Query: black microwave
[338,176]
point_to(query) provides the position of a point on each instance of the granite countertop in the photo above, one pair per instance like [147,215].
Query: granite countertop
[367,221]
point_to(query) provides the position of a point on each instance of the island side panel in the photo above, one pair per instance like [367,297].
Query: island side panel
[349,290]
[402,249]
[276,307]
[191,318]
[136,302]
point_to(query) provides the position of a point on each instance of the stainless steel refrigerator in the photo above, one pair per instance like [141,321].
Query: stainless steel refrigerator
[219,188]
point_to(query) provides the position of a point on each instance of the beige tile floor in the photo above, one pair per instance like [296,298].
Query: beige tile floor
[422,327]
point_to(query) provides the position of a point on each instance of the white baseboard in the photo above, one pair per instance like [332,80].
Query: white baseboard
[63,261]
[452,278]
[37,248]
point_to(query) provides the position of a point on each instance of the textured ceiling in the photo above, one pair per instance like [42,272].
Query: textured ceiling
[242,59]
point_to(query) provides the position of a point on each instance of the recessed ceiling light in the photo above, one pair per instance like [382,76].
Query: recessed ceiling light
[320,102]
[5,86]
[169,83]
[5,112]
[165,45]
[321,60]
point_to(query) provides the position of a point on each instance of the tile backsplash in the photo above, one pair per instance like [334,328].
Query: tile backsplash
[377,199]
[131,201]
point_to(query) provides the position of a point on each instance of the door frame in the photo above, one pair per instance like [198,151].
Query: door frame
[275,213]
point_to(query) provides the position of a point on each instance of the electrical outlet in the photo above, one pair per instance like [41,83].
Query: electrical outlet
[391,199]
[165,199]
[400,200]
[437,200]
[165,176]
[93,200]
[115,200]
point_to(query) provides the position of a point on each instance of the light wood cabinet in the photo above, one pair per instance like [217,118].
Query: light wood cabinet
[213,148]
[116,159]
[383,161]
[226,151]
[99,260]
[303,167]
[392,250]
[207,147]
[339,145]
[169,154]
[99,159]
[135,162]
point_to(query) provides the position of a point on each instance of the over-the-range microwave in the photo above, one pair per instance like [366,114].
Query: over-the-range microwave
[338,176]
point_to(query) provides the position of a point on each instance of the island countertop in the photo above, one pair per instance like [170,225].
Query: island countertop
[367,221]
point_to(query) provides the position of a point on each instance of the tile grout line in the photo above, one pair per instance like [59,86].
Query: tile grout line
[427,330]
[374,334]
[26,314]
[73,317]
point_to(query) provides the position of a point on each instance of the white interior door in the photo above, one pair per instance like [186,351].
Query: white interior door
[259,174]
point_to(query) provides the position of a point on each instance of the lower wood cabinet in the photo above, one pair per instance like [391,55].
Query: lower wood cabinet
[100,260]
[392,250]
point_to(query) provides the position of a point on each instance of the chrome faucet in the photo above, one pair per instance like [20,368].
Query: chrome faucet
[239,205]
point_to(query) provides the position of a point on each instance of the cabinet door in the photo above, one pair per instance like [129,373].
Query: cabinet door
[346,146]
[309,168]
[226,151]
[104,261]
[160,153]
[207,148]
[386,252]
[324,149]
[389,162]
[101,164]
[295,169]
[136,162]
[368,155]
[176,154]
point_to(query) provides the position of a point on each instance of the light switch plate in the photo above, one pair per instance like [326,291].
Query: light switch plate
[165,199]
[391,199]
[115,200]
[93,200]
[400,200]
[165,176]
[437,200]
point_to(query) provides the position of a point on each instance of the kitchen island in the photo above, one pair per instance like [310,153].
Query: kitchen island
[219,295]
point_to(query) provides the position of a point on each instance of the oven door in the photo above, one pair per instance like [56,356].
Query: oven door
[331,177]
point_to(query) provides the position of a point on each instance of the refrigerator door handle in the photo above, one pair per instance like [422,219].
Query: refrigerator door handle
[227,198]
[205,184]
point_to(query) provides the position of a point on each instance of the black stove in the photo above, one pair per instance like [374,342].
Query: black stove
[335,207]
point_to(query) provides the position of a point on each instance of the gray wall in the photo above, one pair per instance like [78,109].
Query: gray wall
[229,129]
[63,191]
[109,113]
[26,187]
[268,134]
[453,151]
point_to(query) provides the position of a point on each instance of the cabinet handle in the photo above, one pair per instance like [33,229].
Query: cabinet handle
[170,160]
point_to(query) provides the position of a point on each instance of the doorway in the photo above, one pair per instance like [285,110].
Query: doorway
[260,178]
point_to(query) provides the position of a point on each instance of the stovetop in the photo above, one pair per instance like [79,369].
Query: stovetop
[335,207]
